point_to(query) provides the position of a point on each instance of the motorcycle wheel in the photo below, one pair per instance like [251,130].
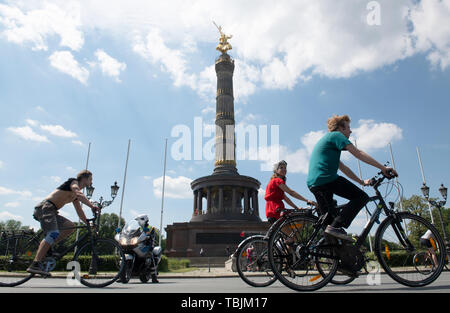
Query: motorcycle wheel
[126,274]
[145,276]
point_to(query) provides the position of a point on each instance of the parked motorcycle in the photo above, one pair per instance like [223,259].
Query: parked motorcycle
[142,257]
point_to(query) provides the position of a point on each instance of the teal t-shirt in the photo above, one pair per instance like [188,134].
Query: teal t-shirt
[325,158]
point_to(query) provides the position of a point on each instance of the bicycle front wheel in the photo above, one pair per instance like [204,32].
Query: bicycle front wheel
[299,255]
[16,255]
[100,262]
[398,249]
[252,262]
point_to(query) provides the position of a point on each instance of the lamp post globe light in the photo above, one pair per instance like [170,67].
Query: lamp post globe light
[443,191]
[114,190]
[438,205]
[425,190]
[102,204]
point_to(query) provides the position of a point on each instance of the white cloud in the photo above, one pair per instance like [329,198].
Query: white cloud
[66,63]
[2,164]
[276,45]
[35,26]
[370,135]
[58,130]
[28,134]
[109,66]
[55,179]
[297,160]
[5,215]
[32,122]
[77,142]
[14,204]
[147,177]
[431,20]
[70,169]
[154,48]
[175,187]
[6,191]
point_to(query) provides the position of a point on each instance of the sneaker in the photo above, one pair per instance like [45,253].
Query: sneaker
[37,268]
[338,233]
[154,279]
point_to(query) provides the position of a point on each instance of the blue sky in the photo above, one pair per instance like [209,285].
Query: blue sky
[72,73]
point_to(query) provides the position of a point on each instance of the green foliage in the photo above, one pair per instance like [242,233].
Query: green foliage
[418,205]
[12,225]
[175,264]
[163,265]
[170,264]
[108,225]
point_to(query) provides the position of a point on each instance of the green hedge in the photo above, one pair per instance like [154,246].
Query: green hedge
[176,264]
[163,265]
[396,258]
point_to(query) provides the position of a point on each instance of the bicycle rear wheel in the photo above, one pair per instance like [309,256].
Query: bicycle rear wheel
[300,260]
[100,261]
[397,244]
[16,254]
[252,262]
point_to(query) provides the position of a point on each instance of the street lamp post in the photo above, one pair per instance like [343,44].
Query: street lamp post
[103,204]
[437,204]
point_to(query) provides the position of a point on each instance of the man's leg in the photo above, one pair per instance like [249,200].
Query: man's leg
[325,203]
[358,198]
[66,228]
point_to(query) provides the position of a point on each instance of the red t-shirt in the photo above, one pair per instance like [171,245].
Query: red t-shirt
[274,197]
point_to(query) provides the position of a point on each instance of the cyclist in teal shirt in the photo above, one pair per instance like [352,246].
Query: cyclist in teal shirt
[324,182]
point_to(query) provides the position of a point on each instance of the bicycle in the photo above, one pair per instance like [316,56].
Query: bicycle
[252,262]
[97,262]
[255,269]
[312,259]
[439,205]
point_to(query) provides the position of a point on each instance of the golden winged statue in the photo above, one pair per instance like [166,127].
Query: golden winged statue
[223,45]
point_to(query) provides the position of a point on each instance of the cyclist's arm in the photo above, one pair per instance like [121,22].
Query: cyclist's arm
[289,201]
[349,173]
[293,193]
[81,197]
[80,211]
[361,155]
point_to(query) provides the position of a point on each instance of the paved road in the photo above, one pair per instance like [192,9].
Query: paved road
[226,285]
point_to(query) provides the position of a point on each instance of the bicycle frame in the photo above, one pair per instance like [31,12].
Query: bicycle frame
[380,207]
[78,242]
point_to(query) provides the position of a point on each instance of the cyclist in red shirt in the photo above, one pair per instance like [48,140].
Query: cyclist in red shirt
[275,193]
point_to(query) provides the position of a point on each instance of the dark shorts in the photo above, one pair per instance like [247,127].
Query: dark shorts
[47,214]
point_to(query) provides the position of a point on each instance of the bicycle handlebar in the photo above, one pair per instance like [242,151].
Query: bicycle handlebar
[375,181]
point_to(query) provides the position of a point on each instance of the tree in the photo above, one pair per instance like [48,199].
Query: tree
[13,225]
[419,206]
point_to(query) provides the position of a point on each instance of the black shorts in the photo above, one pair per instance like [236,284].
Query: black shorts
[47,214]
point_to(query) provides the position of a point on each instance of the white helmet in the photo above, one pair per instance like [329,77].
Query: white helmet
[142,219]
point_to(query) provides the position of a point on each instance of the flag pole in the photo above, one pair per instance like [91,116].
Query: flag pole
[424,182]
[362,187]
[396,178]
[79,221]
[162,200]
[124,182]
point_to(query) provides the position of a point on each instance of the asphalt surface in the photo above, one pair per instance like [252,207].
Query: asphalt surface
[225,285]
